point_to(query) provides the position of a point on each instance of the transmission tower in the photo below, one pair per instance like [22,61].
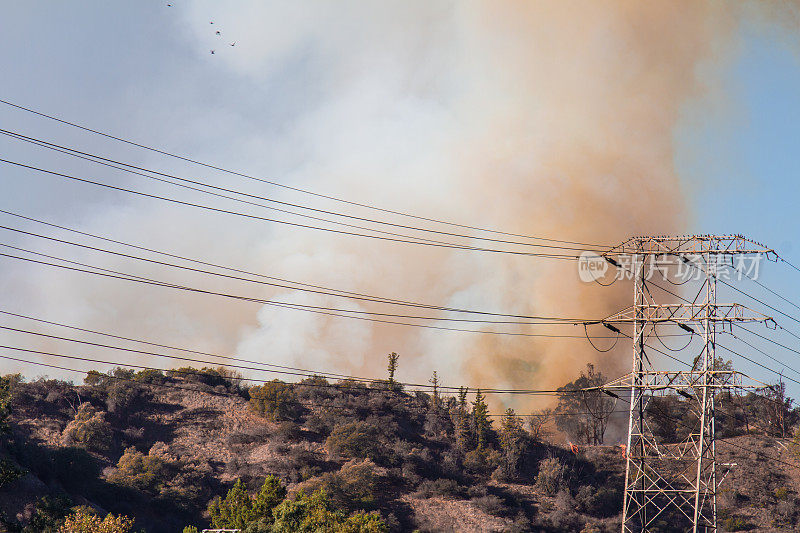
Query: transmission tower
[676,482]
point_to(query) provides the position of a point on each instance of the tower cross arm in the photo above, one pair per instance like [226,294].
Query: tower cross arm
[674,380]
[687,313]
[689,245]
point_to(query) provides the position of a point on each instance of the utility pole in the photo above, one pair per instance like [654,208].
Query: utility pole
[676,482]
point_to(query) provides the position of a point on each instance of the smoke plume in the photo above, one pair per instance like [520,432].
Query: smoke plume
[540,118]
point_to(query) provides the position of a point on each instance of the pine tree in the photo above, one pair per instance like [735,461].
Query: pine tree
[480,419]
[461,422]
[462,397]
[510,425]
[392,367]
[435,382]
[511,441]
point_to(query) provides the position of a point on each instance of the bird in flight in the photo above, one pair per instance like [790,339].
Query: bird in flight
[212,22]
[217,32]
[212,52]
[233,43]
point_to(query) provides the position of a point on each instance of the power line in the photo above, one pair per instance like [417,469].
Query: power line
[754,280]
[277,184]
[145,172]
[792,265]
[767,305]
[328,292]
[411,386]
[188,350]
[770,340]
[182,349]
[184,372]
[240,200]
[665,354]
[544,320]
[757,363]
[535,320]
[762,352]
[295,224]
[762,302]
[744,448]
[197,261]
[740,291]
[380,299]
[297,307]
[682,348]
[700,269]
[736,353]
[234,395]
[298,371]
[305,373]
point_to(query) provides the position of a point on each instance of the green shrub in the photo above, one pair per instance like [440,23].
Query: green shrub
[356,439]
[150,375]
[274,400]
[238,509]
[354,487]
[49,515]
[213,377]
[479,462]
[6,384]
[288,431]
[314,389]
[123,392]
[319,424]
[93,378]
[315,513]
[735,523]
[73,467]
[490,504]
[84,520]
[602,501]
[157,474]
[446,488]
[550,478]
[9,472]
[147,473]
[89,429]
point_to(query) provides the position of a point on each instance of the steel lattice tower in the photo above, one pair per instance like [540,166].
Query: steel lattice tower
[676,482]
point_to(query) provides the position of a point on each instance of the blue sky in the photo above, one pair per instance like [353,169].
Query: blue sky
[747,161]
[742,167]
[322,99]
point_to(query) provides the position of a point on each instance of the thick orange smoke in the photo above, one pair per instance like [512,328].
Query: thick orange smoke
[564,119]
[540,118]
[594,92]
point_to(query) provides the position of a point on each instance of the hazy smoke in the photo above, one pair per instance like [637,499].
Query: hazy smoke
[550,119]
[542,118]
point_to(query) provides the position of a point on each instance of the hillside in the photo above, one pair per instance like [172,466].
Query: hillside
[159,448]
